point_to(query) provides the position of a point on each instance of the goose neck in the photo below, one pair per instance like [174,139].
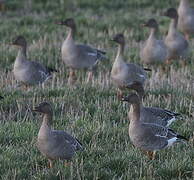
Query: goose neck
[47,120]
[136,111]
[120,50]
[22,53]
[152,33]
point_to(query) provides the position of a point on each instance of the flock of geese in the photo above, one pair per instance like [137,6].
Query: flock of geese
[149,126]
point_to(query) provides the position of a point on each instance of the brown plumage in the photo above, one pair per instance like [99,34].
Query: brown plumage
[154,115]
[186,18]
[149,137]
[153,51]
[26,71]
[54,144]
[78,56]
[125,75]
[176,43]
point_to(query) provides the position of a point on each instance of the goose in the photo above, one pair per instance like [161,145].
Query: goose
[156,115]
[29,72]
[54,144]
[125,75]
[149,137]
[176,43]
[186,19]
[153,51]
[78,56]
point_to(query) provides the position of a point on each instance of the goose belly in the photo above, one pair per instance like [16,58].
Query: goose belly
[54,150]
[119,77]
[176,48]
[69,56]
[21,73]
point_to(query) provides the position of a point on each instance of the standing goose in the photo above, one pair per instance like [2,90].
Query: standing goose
[156,115]
[54,144]
[149,137]
[153,51]
[29,72]
[186,18]
[78,56]
[125,75]
[176,43]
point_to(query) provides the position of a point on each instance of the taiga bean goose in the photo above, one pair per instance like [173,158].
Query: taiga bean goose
[149,137]
[153,51]
[78,56]
[186,18]
[28,72]
[176,43]
[123,74]
[54,144]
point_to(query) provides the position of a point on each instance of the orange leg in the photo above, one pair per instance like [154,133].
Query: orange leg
[50,164]
[68,163]
[165,68]
[119,94]
[25,87]
[72,77]
[183,63]
[90,76]
[187,37]
[151,155]
[168,61]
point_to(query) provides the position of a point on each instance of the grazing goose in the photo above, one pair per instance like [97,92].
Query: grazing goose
[149,137]
[153,51]
[54,144]
[29,72]
[123,74]
[186,18]
[176,43]
[155,115]
[78,56]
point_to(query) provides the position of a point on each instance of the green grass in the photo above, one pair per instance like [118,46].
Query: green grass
[91,112]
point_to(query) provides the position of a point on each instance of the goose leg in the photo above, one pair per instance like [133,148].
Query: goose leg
[187,37]
[68,163]
[168,62]
[183,62]
[50,164]
[72,77]
[151,155]
[162,70]
[119,94]
[25,87]
[90,76]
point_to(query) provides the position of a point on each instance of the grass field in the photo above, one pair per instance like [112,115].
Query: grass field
[91,112]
